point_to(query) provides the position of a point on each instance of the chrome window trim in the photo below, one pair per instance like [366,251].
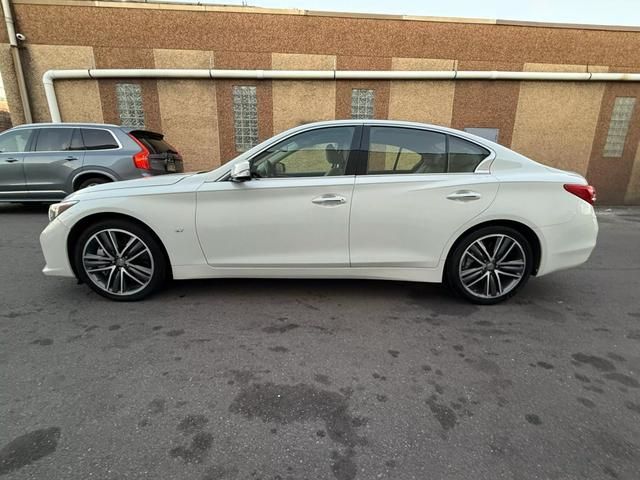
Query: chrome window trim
[120,147]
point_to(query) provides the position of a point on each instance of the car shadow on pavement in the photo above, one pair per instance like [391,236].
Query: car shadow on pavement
[334,290]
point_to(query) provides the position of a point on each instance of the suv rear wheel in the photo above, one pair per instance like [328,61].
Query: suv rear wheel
[120,260]
[89,182]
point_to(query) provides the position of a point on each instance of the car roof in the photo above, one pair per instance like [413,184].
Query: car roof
[397,123]
[67,124]
[87,125]
[492,146]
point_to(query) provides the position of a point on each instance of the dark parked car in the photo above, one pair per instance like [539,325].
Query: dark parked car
[45,162]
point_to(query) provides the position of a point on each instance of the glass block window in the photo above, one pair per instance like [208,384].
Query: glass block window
[245,113]
[130,107]
[362,103]
[619,126]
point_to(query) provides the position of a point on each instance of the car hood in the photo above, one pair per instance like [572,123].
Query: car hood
[154,181]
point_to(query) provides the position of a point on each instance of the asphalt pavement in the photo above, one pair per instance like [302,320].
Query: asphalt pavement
[331,379]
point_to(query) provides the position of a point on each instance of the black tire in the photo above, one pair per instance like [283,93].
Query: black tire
[152,258]
[88,182]
[492,275]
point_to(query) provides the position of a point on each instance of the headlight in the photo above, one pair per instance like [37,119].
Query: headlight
[57,208]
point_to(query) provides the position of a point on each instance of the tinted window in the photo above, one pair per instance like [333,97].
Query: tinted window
[76,140]
[464,156]
[154,142]
[14,141]
[406,150]
[96,139]
[321,152]
[54,139]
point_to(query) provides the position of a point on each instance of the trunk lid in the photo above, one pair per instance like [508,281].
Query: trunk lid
[163,157]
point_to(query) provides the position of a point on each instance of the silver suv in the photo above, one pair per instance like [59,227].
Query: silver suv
[44,162]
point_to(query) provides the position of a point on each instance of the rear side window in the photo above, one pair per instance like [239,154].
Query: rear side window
[154,142]
[464,156]
[97,139]
[405,150]
[54,140]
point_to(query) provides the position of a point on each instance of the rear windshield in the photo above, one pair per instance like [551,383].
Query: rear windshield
[154,142]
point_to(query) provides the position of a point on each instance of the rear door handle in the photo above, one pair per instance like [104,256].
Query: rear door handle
[70,158]
[464,196]
[11,160]
[329,199]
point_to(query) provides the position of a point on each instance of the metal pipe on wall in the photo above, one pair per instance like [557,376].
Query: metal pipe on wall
[51,75]
[17,63]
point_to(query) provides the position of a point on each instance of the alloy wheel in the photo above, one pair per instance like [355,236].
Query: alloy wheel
[492,266]
[118,261]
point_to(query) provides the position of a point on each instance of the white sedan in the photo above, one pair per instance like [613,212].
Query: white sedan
[341,199]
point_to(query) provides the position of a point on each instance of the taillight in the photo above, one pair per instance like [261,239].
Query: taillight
[141,159]
[585,192]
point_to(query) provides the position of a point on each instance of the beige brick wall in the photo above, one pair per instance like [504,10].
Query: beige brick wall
[422,101]
[78,100]
[188,109]
[296,102]
[556,121]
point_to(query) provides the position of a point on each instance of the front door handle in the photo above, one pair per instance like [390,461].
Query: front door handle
[329,199]
[11,160]
[464,196]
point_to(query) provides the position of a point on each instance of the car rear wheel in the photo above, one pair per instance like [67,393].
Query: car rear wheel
[120,260]
[490,265]
[89,182]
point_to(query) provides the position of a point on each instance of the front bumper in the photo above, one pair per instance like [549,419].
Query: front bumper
[53,241]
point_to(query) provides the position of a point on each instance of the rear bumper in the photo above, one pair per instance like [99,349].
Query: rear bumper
[53,241]
[569,244]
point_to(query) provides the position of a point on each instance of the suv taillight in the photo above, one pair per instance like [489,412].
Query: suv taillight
[585,192]
[141,159]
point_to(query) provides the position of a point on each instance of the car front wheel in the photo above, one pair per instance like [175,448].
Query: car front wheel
[120,260]
[490,265]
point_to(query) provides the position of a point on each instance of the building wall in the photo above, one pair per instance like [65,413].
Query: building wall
[563,124]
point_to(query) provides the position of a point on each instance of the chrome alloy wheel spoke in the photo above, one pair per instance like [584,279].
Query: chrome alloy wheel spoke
[490,275]
[118,262]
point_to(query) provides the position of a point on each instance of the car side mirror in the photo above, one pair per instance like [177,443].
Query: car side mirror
[241,171]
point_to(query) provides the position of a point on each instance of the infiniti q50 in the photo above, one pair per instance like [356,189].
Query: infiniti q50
[341,199]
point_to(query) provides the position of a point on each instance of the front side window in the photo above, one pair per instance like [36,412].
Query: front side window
[96,139]
[315,153]
[405,150]
[55,140]
[396,150]
[130,107]
[15,141]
